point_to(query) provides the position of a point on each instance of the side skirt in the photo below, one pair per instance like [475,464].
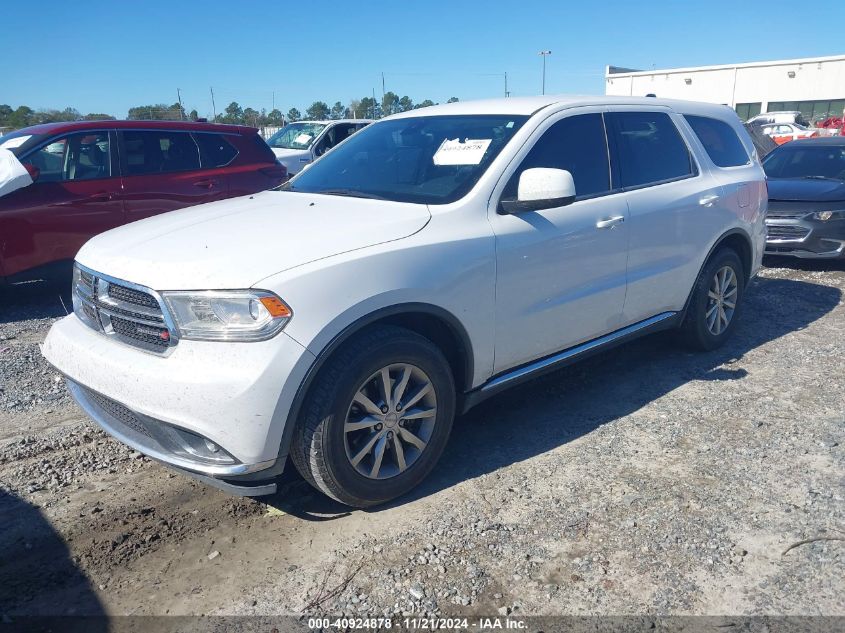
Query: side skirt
[519,375]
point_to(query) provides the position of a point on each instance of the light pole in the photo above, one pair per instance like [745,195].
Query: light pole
[543,54]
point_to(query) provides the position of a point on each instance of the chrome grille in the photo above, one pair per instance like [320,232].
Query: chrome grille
[129,313]
[785,232]
[786,215]
[127,295]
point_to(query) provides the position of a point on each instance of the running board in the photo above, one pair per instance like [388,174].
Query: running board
[663,321]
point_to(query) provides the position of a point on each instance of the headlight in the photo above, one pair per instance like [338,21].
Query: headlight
[228,315]
[824,216]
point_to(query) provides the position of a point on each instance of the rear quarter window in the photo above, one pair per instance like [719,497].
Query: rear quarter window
[719,140]
[215,150]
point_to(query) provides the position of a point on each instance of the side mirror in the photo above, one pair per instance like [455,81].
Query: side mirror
[541,188]
[33,171]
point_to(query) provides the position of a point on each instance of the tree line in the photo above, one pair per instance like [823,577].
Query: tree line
[364,108]
[24,116]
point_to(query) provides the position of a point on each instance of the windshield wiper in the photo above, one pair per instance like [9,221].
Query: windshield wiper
[821,178]
[351,193]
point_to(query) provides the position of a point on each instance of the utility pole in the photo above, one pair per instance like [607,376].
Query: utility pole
[179,99]
[507,94]
[544,54]
[383,93]
[213,107]
[374,103]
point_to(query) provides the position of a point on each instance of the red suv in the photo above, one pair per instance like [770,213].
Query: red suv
[92,176]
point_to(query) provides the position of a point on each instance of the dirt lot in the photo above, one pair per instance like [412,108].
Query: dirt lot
[646,480]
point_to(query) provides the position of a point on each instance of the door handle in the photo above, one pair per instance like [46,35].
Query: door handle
[610,222]
[707,201]
[207,183]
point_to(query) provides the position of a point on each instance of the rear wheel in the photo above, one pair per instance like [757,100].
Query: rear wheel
[715,301]
[377,418]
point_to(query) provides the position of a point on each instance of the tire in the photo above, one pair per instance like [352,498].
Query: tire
[700,330]
[336,444]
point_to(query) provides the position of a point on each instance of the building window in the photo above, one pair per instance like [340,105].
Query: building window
[747,110]
[812,111]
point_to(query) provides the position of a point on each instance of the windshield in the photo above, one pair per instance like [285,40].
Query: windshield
[296,136]
[429,160]
[820,161]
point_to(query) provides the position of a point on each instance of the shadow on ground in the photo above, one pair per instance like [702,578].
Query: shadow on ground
[40,300]
[39,582]
[557,408]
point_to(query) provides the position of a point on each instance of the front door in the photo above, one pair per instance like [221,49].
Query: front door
[561,273]
[75,196]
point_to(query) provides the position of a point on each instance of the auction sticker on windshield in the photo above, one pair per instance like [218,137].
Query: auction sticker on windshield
[454,152]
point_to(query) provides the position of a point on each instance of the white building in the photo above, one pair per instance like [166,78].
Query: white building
[815,86]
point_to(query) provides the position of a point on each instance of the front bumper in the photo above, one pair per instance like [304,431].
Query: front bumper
[805,238]
[237,395]
[140,434]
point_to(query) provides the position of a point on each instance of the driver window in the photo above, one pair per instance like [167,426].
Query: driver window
[576,144]
[82,156]
[334,136]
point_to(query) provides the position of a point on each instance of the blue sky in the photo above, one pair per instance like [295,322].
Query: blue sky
[108,55]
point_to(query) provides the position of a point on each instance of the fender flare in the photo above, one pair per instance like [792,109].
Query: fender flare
[721,239]
[353,328]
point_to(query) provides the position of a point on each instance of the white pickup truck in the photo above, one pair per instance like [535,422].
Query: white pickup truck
[299,144]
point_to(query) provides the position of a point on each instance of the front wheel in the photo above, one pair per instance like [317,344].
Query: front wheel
[377,418]
[715,301]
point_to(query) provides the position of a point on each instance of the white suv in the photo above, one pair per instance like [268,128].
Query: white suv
[428,262]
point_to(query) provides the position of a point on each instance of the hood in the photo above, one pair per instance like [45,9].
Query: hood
[806,189]
[290,153]
[236,243]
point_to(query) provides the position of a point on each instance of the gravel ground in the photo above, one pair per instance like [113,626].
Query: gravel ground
[646,480]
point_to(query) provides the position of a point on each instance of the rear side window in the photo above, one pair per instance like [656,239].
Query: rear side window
[648,148]
[159,152]
[719,140]
[576,144]
[215,150]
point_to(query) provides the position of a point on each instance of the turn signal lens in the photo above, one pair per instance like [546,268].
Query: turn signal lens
[276,307]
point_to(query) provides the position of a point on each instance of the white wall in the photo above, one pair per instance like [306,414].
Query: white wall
[744,83]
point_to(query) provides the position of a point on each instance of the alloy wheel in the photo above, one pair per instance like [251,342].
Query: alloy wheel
[390,421]
[721,300]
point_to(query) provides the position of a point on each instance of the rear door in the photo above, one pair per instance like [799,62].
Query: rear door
[666,191]
[75,196]
[162,171]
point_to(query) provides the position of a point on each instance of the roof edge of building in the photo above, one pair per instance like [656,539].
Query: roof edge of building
[619,71]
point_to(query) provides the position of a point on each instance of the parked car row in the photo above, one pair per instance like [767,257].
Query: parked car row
[340,322]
